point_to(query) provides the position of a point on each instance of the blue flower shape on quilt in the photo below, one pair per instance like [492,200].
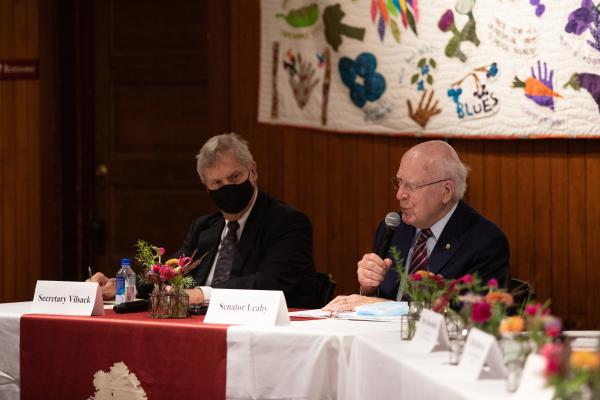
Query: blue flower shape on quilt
[373,83]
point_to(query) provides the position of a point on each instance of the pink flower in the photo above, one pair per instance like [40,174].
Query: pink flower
[415,277]
[166,273]
[493,283]
[467,279]
[533,310]
[161,250]
[481,313]
[156,268]
[552,326]
[552,352]
[184,261]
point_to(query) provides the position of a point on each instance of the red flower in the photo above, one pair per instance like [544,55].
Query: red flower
[467,279]
[493,283]
[533,310]
[481,313]
[415,277]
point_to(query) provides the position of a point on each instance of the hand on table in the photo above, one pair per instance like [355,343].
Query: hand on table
[107,285]
[348,303]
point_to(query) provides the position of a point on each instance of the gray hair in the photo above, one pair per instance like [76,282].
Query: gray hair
[458,172]
[216,146]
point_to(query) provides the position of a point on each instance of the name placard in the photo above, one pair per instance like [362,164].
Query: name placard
[481,349]
[247,307]
[431,332]
[67,298]
[533,382]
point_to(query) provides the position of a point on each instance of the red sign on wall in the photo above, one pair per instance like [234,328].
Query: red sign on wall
[19,69]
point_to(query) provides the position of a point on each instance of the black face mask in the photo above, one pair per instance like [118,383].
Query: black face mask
[233,198]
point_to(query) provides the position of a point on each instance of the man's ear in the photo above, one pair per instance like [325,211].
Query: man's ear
[254,170]
[448,192]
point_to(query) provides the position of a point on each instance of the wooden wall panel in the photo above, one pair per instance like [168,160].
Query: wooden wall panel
[544,194]
[20,169]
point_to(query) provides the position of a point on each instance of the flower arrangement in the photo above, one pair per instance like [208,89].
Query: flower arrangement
[173,272]
[573,374]
[429,290]
[483,306]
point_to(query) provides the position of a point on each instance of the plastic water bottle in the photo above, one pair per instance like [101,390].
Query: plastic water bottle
[126,290]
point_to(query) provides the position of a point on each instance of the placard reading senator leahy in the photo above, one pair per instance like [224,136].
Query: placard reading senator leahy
[67,298]
[247,307]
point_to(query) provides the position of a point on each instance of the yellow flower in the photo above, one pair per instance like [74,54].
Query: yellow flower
[512,324]
[173,262]
[585,359]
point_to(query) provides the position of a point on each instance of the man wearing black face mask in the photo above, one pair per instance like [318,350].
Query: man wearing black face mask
[254,241]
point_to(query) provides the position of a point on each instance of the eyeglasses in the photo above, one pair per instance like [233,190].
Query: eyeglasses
[398,183]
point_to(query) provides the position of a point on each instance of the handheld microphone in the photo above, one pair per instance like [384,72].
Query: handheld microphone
[132,306]
[392,220]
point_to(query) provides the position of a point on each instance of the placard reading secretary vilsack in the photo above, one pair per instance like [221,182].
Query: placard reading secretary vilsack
[67,298]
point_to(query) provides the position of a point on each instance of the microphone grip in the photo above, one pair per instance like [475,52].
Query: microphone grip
[383,244]
[132,306]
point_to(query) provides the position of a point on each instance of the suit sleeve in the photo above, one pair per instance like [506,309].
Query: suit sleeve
[285,255]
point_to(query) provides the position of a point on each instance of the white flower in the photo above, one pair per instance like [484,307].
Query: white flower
[464,6]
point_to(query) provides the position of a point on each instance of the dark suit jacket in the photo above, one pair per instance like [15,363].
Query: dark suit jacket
[469,243]
[275,251]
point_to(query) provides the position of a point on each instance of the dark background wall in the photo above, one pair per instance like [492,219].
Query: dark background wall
[545,194]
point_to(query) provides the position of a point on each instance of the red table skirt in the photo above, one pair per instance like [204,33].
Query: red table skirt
[178,359]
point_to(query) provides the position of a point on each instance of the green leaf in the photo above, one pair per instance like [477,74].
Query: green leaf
[392,8]
[395,30]
[430,79]
[414,79]
[422,62]
[411,21]
[432,63]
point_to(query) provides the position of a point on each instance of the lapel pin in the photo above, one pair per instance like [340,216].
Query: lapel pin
[447,246]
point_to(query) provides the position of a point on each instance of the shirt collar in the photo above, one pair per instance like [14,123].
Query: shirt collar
[438,227]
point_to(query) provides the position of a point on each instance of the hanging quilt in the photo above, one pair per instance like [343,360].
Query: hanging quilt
[452,68]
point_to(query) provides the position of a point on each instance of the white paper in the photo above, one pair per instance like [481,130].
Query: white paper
[247,307]
[533,382]
[67,298]
[430,332]
[351,315]
[481,349]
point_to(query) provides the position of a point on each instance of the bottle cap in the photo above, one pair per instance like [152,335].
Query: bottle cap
[125,261]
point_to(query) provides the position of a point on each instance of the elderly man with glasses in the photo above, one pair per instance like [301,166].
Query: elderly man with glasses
[438,231]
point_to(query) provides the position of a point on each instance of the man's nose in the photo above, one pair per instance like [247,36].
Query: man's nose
[401,194]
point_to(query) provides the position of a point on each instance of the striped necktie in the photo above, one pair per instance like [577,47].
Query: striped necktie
[419,258]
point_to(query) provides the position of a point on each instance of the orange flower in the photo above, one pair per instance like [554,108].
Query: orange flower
[173,262]
[495,297]
[512,324]
[585,359]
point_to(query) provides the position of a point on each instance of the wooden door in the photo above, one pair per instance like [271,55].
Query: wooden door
[161,90]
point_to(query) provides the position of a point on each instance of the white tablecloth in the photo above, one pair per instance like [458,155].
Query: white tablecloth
[384,367]
[305,360]
[10,315]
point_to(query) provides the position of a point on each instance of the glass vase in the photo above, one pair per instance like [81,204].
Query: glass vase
[159,302]
[408,326]
[180,303]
